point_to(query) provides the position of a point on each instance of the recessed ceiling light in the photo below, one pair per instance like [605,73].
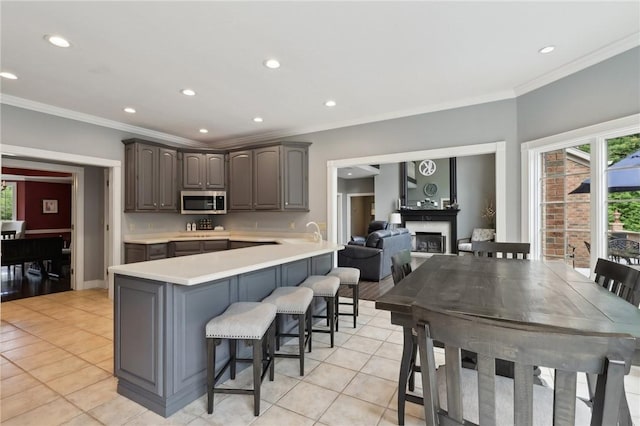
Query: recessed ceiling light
[547,49]
[188,92]
[57,40]
[272,63]
[8,75]
[204,131]
[258,119]
[130,110]
[330,103]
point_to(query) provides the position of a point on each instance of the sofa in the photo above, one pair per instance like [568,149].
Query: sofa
[373,255]
[478,234]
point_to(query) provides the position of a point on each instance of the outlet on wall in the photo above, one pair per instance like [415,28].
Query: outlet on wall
[322,226]
[292,225]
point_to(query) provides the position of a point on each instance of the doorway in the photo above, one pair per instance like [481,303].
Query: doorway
[360,211]
[75,162]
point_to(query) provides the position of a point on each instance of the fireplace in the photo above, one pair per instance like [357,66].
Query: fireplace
[430,242]
[442,221]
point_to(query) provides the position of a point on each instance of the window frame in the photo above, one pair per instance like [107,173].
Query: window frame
[531,162]
[14,192]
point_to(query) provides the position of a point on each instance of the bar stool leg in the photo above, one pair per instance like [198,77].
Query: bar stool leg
[331,307]
[337,310]
[302,321]
[257,369]
[356,302]
[309,325]
[232,355]
[272,352]
[211,373]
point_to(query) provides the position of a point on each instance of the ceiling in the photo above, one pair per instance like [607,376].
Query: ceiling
[377,60]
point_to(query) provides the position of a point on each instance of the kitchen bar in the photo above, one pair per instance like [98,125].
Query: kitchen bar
[161,308]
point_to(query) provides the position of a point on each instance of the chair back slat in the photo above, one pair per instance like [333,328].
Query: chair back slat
[503,250]
[400,265]
[621,280]
[521,402]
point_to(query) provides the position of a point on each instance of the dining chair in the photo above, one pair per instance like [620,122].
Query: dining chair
[456,395]
[400,268]
[8,235]
[624,282]
[503,250]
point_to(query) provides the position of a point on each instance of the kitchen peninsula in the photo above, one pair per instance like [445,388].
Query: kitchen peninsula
[162,306]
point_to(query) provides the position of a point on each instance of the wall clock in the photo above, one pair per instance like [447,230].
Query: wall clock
[430,189]
[427,167]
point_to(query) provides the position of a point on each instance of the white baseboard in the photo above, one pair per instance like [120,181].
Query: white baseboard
[93,284]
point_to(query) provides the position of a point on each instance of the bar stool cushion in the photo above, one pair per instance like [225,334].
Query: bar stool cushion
[242,320]
[322,286]
[347,276]
[290,300]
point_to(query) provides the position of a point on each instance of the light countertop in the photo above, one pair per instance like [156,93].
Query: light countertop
[257,237]
[200,268]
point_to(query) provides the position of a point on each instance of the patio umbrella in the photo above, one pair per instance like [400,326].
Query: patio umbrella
[622,176]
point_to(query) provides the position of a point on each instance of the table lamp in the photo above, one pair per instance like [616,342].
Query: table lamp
[395,219]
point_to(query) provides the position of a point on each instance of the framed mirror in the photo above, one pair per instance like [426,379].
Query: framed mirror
[429,184]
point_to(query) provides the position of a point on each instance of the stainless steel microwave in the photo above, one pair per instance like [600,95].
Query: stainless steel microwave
[203,202]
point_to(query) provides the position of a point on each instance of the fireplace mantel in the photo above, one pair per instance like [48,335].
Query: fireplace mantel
[435,215]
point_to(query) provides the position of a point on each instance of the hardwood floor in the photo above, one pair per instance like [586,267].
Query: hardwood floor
[371,290]
[15,286]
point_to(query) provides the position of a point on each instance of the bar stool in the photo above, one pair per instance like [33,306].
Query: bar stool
[349,277]
[293,301]
[249,321]
[327,288]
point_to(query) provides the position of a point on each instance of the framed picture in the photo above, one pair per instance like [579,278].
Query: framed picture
[445,203]
[49,206]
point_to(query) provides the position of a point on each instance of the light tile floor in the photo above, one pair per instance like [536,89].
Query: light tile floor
[57,365]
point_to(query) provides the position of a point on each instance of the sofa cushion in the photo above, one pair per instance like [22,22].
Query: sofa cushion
[357,240]
[482,234]
[374,238]
[377,225]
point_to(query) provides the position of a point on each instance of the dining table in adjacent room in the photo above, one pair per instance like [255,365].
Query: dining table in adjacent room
[545,294]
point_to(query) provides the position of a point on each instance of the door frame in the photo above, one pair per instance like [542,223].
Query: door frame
[74,163]
[349,197]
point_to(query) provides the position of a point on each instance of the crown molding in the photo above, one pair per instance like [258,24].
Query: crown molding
[289,132]
[579,64]
[92,119]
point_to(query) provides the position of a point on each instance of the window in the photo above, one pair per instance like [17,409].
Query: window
[8,201]
[581,194]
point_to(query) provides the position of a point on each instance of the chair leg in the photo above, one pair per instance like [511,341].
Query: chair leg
[271,333]
[356,302]
[232,358]
[309,325]
[405,366]
[211,373]
[257,370]
[336,319]
[331,307]
[412,363]
[301,331]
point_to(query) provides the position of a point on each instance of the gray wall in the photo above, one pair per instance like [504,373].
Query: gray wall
[387,190]
[94,268]
[473,197]
[602,92]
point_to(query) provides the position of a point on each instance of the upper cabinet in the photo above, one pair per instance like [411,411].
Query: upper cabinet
[151,175]
[271,177]
[203,170]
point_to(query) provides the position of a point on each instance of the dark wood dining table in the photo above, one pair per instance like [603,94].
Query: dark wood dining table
[535,293]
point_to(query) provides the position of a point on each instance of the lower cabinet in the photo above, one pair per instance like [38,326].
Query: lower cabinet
[187,248]
[142,252]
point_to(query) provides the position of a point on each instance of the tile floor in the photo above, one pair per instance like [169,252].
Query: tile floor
[57,365]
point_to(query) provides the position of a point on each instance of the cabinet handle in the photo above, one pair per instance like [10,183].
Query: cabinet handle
[199,183]
[155,205]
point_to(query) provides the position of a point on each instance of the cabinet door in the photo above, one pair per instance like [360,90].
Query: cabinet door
[215,171]
[185,248]
[192,171]
[167,180]
[295,178]
[240,180]
[147,175]
[266,178]
[135,253]
[130,177]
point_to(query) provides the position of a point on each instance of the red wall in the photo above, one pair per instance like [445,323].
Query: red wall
[34,193]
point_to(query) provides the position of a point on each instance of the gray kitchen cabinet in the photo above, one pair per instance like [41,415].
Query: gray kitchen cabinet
[243,244]
[273,177]
[203,170]
[151,174]
[295,180]
[143,252]
[240,194]
[187,248]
